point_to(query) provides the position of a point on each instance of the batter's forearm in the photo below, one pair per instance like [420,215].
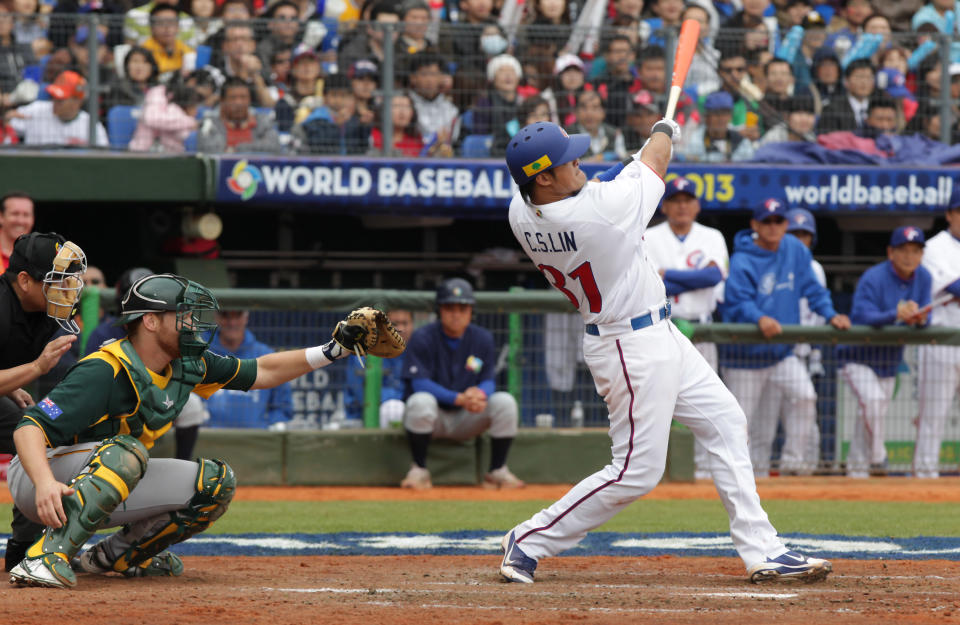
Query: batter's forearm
[656,153]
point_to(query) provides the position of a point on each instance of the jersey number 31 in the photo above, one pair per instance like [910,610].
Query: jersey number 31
[583,273]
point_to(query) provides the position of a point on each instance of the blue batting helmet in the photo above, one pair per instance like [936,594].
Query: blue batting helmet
[542,146]
[801,220]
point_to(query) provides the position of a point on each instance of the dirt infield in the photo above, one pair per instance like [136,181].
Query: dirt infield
[402,590]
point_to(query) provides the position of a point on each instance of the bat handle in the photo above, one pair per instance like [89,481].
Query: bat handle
[674,98]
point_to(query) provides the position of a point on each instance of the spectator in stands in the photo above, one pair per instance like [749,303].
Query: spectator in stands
[568,82]
[702,74]
[436,115]
[606,141]
[234,127]
[81,53]
[780,89]
[847,24]
[171,54]
[814,34]
[280,61]
[15,55]
[140,74]
[60,121]
[732,70]
[283,29]
[240,61]
[826,75]
[413,39]
[882,117]
[892,292]
[136,24]
[169,116]
[229,12]
[30,26]
[497,107]
[667,15]
[749,17]
[769,273]
[451,389]
[16,218]
[205,22]
[333,128]
[255,409]
[364,80]
[305,91]
[850,112]
[926,121]
[628,8]
[369,42]
[715,141]
[392,385]
[799,122]
[756,64]
[652,72]
[643,111]
[620,79]
[205,84]
[406,135]
[460,42]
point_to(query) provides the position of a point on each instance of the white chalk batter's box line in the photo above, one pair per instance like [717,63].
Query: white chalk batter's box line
[597,543]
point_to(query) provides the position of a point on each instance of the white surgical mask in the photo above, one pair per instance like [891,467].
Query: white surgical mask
[493,45]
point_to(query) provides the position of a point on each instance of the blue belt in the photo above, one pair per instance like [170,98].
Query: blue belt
[637,323]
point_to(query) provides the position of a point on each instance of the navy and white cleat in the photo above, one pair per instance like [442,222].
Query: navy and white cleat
[791,565]
[516,565]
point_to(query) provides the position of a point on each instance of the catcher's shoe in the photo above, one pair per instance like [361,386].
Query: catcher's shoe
[502,478]
[48,570]
[418,478]
[516,565]
[164,564]
[791,565]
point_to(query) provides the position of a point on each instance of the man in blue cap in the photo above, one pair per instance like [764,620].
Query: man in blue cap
[715,141]
[587,238]
[769,273]
[892,292]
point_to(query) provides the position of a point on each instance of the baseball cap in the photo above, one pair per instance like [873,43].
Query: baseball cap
[679,185]
[813,19]
[907,234]
[718,101]
[565,62]
[364,67]
[303,51]
[770,208]
[83,31]
[68,84]
[35,253]
[893,82]
[643,100]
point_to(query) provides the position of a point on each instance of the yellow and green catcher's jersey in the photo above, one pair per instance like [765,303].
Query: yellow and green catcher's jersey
[97,399]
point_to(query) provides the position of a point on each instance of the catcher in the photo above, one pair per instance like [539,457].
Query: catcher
[83,450]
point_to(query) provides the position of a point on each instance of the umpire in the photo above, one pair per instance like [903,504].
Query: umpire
[38,295]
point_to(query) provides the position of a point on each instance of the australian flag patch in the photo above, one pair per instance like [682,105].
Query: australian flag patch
[49,408]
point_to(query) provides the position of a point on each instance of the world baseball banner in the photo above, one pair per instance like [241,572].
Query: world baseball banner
[484,187]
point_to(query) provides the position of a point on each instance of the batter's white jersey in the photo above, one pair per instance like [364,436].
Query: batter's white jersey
[941,257]
[702,245]
[613,285]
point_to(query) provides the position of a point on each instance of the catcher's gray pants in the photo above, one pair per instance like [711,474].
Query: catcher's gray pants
[167,485]
[424,416]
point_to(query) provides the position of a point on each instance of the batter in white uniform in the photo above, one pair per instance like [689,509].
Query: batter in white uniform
[939,370]
[586,238]
[692,260]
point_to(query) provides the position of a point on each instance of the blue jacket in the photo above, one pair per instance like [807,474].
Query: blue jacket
[258,408]
[875,301]
[392,386]
[768,284]
[445,367]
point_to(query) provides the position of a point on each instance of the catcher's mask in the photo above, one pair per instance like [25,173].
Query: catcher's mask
[194,304]
[57,264]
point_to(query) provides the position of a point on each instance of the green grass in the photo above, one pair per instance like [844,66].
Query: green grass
[812,517]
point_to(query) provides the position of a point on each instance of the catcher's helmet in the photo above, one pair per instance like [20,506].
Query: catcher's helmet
[194,304]
[801,220]
[542,146]
[455,291]
[126,280]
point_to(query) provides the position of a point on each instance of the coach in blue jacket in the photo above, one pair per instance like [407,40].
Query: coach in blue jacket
[769,273]
[893,292]
[449,367]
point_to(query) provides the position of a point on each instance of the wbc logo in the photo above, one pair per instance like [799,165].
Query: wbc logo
[771,205]
[911,233]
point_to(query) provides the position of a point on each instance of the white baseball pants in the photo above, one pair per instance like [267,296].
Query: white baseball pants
[647,377]
[939,377]
[701,459]
[873,395]
[801,433]
[424,416]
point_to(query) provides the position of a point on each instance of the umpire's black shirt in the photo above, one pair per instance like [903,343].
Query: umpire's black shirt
[23,335]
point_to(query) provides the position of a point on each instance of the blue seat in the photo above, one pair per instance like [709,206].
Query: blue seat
[190,143]
[466,123]
[476,146]
[121,123]
[203,56]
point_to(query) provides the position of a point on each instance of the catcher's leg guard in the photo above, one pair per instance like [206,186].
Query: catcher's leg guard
[115,469]
[215,486]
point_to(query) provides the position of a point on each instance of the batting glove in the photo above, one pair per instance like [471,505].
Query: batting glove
[670,127]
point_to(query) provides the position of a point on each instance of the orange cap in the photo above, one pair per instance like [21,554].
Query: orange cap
[68,84]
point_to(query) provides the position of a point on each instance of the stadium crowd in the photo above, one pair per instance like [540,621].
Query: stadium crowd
[462,76]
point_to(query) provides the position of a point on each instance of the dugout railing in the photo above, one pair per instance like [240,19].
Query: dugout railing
[538,361]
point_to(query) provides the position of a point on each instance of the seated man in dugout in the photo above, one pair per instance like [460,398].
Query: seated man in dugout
[450,371]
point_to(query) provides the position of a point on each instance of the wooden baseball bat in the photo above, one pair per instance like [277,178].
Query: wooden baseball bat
[686,46]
